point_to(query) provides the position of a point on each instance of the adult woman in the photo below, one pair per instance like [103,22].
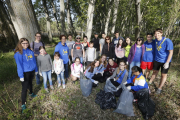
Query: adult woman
[119,51]
[108,48]
[63,50]
[91,71]
[85,43]
[76,68]
[26,67]
[136,54]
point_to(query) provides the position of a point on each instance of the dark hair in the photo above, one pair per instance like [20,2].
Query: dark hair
[125,44]
[69,35]
[102,33]
[136,69]
[122,61]
[85,37]
[57,53]
[150,34]
[37,33]
[108,38]
[62,36]
[116,32]
[140,38]
[19,47]
[110,59]
[92,65]
[41,47]
[77,58]
[119,43]
[91,42]
[158,30]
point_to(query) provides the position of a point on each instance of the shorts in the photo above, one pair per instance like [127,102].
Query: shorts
[158,65]
[148,65]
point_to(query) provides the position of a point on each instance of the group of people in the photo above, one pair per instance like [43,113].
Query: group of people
[101,60]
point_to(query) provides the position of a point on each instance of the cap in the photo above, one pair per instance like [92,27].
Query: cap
[78,36]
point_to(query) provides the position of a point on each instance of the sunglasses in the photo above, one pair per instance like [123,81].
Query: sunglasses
[78,38]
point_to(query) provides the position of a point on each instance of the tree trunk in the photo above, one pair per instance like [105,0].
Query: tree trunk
[107,20]
[90,19]
[47,21]
[116,4]
[62,17]
[23,18]
[68,19]
[138,18]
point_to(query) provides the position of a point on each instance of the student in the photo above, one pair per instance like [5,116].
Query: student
[127,46]
[76,68]
[136,54]
[78,49]
[26,67]
[119,76]
[35,48]
[69,43]
[45,67]
[59,69]
[63,50]
[137,81]
[91,71]
[102,42]
[119,51]
[116,38]
[95,40]
[85,43]
[90,53]
[163,57]
[148,57]
[108,48]
[111,67]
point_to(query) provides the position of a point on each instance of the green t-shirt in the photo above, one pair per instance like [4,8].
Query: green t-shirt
[127,50]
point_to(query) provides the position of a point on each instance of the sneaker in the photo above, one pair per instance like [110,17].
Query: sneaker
[64,86]
[33,95]
[52,88]
[46,89]
[149,83]
[59,85]
[73,82]
[23,108]
[158,91]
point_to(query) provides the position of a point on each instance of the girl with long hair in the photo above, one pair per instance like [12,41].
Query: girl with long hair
[119,51]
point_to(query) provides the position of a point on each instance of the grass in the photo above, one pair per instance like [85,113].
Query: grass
[69,104]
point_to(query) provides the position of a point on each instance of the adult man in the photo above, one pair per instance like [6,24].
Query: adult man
[116,38]
[78,49]
[163,56]
[102,42]
[35,48]
[95,40]
[69,43]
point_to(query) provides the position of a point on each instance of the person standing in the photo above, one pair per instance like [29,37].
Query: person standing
[90,53]
[78,49]
[85,43]
[102,42]
[163,57]
[69,43]
[116,38]
[119,51]
[127,46]
[95,40]
[35,48]
[63,50]
[26,67]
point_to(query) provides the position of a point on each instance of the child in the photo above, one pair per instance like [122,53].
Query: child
[76,68]
[90,53]
[26,66]
[45,67]
[119,51]
[59,69]
[127,46]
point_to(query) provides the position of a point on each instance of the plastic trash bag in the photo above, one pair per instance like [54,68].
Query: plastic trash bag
[125,102]
[109,87]
[85,85]
[145,103]
[105,100]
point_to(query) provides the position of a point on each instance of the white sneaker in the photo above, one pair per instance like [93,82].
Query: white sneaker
[46,89]
[64,86]
[52,88]
[59,85]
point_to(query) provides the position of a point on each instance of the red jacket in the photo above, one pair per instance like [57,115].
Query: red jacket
[110,68]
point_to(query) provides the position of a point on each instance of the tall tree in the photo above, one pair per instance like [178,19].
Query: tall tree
[70,28]
[116,4]
[62,17]
[90,19]
[23,18]
[48,20]
[107,19]
[138,18]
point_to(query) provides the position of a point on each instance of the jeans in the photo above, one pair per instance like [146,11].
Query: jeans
[45,75]
[132,65]
[61,77]
[66,73]
[37,79]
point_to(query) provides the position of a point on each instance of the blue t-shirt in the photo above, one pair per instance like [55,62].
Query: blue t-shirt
[149,51]
[162,49]
[138,53]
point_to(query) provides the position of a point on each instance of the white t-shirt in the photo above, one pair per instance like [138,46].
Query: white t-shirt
[90,54]
[58,66]
[76,69]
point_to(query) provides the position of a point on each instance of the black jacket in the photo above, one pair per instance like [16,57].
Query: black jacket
[96,43]
[111,52]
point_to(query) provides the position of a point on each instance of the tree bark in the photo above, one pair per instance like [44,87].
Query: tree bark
[23,18]
[138,18]
[107,20]
[48,22]
[62,17]
[116,4]
[90,19]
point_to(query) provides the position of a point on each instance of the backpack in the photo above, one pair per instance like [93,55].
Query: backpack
[73,66]
[41,42]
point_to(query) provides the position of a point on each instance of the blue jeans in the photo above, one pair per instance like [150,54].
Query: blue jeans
[66,73]
[132,65]
[37,79]
[61,77]
[45,75]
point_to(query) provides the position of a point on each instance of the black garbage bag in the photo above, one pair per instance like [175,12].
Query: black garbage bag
[105,100]
[145,103]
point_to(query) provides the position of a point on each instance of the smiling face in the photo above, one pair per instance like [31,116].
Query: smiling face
[25,44]
[103,58]
[111,62]
[117,35]
[122,66]
[128,41]
[139,41]
[77,61]
[85,39]
[96,64]
[38,37]
[149,38]
[158,35]
[78,39]
[120,42]
[56,57]
[63,40]
[70,38]
[42,51]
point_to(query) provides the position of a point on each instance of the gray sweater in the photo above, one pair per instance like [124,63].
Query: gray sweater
[44,63]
